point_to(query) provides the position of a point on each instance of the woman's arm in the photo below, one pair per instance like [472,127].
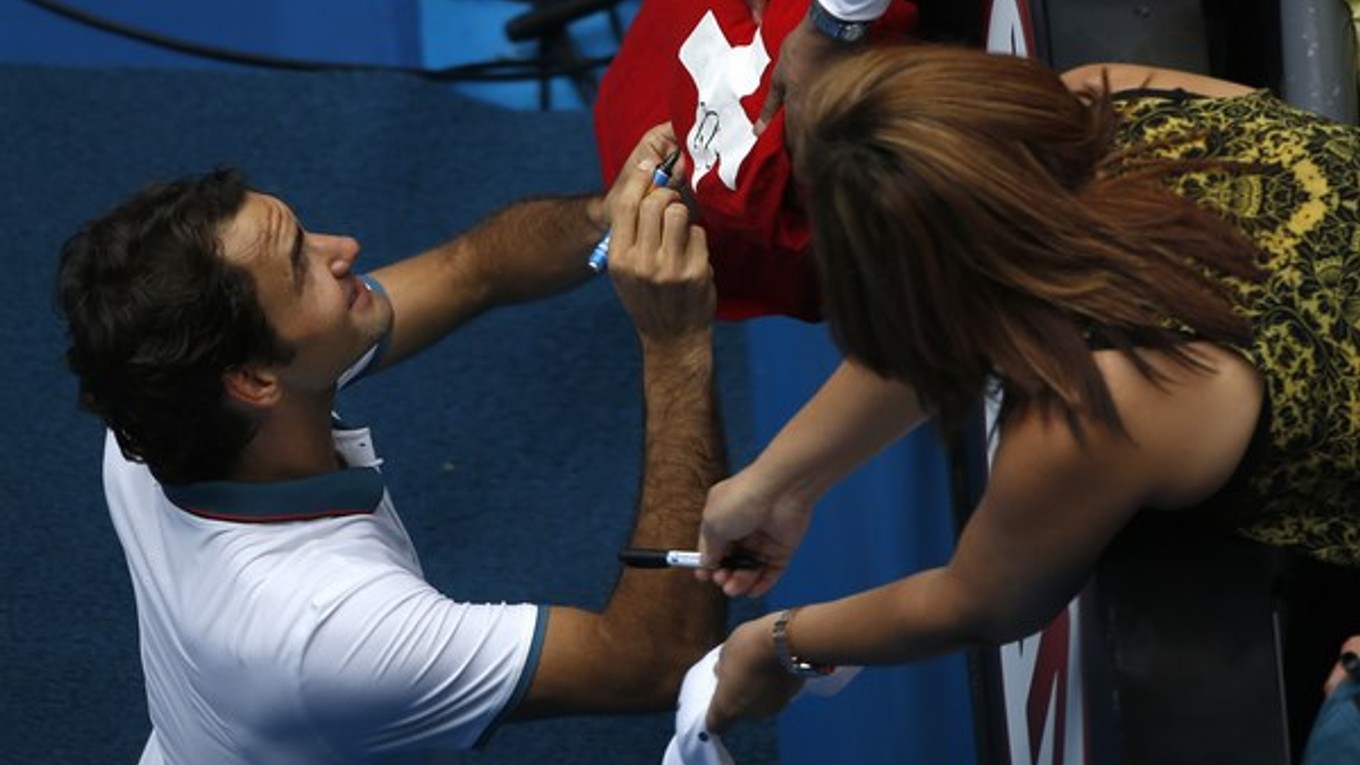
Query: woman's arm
[1089,77]
[850,419]
[1053,502]
[765,508]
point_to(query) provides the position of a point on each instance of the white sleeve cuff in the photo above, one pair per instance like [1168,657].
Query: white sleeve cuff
[855,10]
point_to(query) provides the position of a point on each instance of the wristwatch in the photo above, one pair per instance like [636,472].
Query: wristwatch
[836,28]
[779,632]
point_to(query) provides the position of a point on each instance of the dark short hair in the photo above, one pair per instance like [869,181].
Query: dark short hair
[155,316]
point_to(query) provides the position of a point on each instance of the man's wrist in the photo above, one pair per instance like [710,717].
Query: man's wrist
[691,351]
[596,215]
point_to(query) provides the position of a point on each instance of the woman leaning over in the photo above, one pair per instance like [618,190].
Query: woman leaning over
[1158,269]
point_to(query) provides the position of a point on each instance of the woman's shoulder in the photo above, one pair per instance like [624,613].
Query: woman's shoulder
[1186,429]
[1192,424]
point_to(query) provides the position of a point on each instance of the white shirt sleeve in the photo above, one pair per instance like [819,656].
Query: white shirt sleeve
[855,10]
[394,664]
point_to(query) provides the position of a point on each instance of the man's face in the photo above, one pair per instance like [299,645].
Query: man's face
[308,290]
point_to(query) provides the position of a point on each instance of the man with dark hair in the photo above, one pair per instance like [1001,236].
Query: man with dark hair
[283,614]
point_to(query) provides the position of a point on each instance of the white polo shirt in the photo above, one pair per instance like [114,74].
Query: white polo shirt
[290,622]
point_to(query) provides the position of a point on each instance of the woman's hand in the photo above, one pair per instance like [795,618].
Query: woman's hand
[751,683]
[750,515]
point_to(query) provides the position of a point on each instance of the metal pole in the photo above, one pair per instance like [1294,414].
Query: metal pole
[1317,44]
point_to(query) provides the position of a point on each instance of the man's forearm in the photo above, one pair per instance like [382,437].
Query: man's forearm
[685,456]
[531,249]
[534,248]
[633,656]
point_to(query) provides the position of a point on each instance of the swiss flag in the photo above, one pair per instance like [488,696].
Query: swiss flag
[705,67]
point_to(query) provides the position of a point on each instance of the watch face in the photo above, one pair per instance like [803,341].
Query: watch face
[853,32]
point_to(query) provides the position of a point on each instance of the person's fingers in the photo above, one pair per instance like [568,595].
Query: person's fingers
[720,715]
[764,582]
[740,581]
[656,143]
[696,250]
[773,101]
[717,721]
[623,219]
[675,235]
[652,223]
[712,543]
[1333,680]
[665,132]
[1346,666]
[751,583]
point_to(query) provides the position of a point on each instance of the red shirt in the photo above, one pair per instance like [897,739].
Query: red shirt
[705,67]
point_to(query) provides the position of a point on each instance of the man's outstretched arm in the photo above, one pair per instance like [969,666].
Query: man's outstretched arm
[531,249]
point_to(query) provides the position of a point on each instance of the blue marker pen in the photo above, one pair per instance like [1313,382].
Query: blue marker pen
[599,257]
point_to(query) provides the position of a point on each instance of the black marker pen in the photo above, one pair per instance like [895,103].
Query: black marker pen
[644,557]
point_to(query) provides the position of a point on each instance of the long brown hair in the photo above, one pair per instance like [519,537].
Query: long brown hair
[964,224]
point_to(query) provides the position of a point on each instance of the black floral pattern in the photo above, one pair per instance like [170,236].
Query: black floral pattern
[1296,193]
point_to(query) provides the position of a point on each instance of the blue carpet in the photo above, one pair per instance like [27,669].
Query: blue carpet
[512,448]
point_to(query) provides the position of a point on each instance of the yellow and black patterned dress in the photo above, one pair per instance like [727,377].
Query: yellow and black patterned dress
[1297,195]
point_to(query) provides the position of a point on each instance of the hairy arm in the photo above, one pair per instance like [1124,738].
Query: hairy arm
[632,656]
[531,249]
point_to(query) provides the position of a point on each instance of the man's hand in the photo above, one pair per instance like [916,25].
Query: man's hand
[804,52]
[635,179]
[658,260]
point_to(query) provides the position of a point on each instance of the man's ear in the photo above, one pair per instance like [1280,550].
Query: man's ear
[253,385]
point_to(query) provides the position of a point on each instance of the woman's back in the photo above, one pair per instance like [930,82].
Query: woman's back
[1293,190]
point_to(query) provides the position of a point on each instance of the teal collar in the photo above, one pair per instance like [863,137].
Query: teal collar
[352,491]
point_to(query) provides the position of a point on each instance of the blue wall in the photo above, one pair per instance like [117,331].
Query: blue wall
[890,518]
[409,34]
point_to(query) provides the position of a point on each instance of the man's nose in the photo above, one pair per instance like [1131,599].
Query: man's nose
[344,250]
